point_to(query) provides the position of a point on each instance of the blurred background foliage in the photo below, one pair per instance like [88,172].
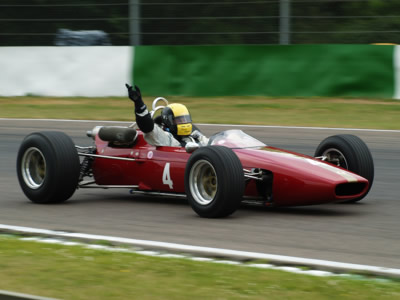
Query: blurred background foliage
[197,22]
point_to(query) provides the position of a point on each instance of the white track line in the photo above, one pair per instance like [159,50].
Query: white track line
[64,120]
[206,124]
[218,252]
[301,127]
[19,296]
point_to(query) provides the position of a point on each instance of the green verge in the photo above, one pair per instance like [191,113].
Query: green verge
[326,112]
[74,272]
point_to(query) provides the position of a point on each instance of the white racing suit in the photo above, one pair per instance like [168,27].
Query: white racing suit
[156,136]
[159,137]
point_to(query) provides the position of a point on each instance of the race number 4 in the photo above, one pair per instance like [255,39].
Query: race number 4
[166,177]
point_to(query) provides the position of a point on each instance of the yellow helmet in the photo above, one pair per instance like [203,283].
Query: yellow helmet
[176,118]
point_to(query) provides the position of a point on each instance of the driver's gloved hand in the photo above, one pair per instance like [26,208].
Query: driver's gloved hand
[134,94]
[196,134]
[136,97]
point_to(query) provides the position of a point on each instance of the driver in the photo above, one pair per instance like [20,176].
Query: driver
[175,127]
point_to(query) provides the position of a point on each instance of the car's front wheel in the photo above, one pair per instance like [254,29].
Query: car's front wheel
[48,167]
[349,152]
[214,181]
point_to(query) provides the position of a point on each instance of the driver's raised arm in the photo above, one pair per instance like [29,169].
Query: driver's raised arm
[154,135]
[143,117]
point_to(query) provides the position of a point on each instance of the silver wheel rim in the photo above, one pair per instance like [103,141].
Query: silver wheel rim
[334,156]
[33,168]
[203,182]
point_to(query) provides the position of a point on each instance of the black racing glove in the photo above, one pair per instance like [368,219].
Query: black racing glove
[136,97]
[196,134]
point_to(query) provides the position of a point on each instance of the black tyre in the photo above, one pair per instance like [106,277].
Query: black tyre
[48,167]
[214,181]
[349,152]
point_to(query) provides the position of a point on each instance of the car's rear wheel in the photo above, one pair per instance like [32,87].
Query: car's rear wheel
[48,167]
[349,152]
[214,181]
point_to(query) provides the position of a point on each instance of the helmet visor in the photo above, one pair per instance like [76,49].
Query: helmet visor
[183,119]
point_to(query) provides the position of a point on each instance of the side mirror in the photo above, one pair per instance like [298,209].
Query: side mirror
[191,146]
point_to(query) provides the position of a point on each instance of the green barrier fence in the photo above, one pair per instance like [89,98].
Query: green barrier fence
[277,71]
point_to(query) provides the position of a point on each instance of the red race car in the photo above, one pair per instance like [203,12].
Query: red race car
[215,179]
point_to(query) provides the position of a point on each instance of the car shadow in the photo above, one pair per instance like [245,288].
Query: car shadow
[338,209]
[332,210]
[124,197]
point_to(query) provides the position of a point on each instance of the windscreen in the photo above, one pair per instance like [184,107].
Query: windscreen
[235,139]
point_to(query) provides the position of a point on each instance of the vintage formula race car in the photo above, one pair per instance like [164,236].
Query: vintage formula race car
[215,179]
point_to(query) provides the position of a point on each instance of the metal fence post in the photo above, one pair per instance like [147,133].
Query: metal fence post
[284,22]
[134,22]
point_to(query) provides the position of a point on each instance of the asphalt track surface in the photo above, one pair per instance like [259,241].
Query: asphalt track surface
[364,233]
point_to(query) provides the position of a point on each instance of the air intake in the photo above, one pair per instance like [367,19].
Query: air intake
[350,188]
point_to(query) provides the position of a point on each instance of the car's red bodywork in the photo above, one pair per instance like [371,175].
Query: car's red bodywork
[297,179]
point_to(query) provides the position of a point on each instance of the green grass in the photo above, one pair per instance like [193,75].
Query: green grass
[73,272]
[326,112]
